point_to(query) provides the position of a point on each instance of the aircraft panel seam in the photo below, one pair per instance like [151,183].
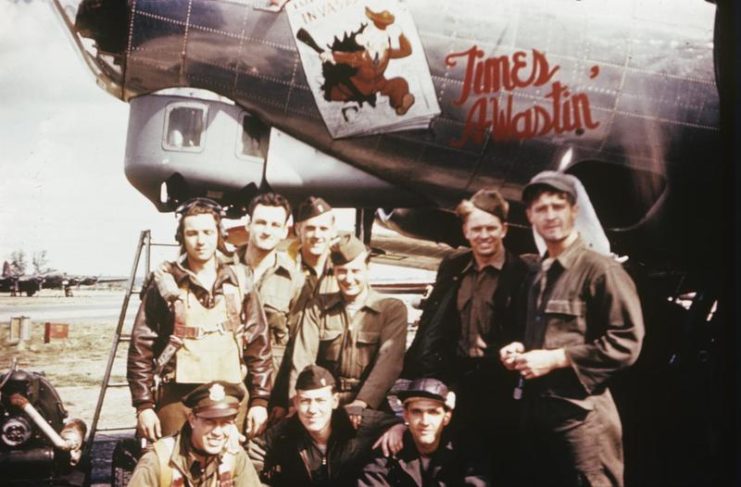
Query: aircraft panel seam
[233,35]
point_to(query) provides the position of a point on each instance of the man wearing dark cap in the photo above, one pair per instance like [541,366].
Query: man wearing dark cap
[315,228]
[583,324]
[319,446]
[429,457]
[206,451]
[358,334]
[468,317]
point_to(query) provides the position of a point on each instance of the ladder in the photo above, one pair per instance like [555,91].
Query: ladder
[144,247]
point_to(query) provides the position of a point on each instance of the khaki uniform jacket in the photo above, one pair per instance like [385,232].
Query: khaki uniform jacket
[154,324]
[313,285]
[279,288]
[148,469]
[368,348]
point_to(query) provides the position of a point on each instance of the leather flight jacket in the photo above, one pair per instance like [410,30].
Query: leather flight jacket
[154,332]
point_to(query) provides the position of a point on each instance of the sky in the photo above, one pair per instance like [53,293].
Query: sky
[62,184]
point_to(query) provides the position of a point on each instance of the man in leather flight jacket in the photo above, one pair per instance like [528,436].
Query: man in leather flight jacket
[199,320]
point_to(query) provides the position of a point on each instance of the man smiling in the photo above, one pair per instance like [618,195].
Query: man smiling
[319,446]
[429,457]
[357,334]
[206,452]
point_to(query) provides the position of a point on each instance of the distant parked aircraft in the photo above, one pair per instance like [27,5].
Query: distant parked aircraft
[30,284]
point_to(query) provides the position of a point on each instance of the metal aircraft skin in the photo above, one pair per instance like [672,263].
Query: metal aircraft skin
[621,94]
[631,106]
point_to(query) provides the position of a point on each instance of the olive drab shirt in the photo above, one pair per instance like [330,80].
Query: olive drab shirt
[280,288]
[313,285]
[365,352]
[475,304]
[589,306]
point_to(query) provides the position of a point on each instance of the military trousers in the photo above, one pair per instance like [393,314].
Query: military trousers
[568,444]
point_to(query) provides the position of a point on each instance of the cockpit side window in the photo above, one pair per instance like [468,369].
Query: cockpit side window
[184,127]
[253,141]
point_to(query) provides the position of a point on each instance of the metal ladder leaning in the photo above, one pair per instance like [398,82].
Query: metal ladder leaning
[143,247]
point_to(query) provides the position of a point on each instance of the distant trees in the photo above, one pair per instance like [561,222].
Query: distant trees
[40,262]
[18,262]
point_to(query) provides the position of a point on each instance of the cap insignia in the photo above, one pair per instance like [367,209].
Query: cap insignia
[216,392]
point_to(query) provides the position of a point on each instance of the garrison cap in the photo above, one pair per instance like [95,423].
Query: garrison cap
[559,181]
[428,388]
[216,399]
[347,248]
[491,201]
[314,377]
[311,207]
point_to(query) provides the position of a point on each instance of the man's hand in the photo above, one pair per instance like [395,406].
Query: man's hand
[355,412]
[391,442]
[537,363]
[148,425]
[257,420]
[509,353]
[234,439]
[276,414]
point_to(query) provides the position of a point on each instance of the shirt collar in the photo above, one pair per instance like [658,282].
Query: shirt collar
[497,264]
[372,300]
[183,456]
[568,256]
[224,274]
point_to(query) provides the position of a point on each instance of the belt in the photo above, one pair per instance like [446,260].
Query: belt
[196,332]
[348,385]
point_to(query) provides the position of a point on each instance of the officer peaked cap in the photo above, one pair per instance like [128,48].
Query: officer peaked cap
[216,399]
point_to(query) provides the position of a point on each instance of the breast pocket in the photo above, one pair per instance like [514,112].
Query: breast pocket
[330,346]
[367,344]
[276,300]
[566,323]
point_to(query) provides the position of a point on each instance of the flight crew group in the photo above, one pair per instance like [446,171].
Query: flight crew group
[508,372]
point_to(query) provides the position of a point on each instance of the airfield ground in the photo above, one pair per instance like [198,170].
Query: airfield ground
[75,366]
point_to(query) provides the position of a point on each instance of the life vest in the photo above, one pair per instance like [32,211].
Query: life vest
[171,476]
[211,342]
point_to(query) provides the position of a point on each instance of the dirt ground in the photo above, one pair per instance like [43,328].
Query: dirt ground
[75,367]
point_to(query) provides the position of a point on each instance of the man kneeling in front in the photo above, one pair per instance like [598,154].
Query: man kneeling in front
[428,457]
[206,451]
[319,445]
